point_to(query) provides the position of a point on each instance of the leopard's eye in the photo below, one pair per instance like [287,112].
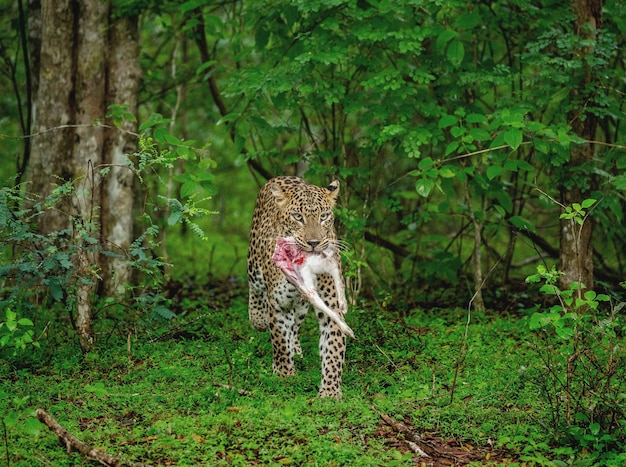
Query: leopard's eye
[324,216]
[297,216]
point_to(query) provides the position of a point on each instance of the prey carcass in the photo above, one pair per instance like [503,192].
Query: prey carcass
[302,268]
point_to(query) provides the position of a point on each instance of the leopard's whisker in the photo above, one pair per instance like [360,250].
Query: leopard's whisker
[340,244]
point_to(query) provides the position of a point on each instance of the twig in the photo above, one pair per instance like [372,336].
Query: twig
[415,442]
[72,441]
[386,356]
[416,449]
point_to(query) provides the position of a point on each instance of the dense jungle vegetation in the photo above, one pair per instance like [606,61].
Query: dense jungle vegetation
[482,164]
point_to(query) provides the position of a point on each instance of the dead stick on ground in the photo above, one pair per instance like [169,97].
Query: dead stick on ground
[411,437]
[72,441]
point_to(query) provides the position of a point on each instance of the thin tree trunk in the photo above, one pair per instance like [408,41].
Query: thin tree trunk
[89,94]
[124,73]
[576,251]
[477,299]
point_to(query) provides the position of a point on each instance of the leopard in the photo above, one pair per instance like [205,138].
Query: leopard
[287,206]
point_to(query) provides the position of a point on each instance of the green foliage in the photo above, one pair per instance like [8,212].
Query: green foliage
[159,149]
[136,400]
[429,115]
[581,371]
[577,211]
[443,101]
[119,114]
[41,269]
[16,332]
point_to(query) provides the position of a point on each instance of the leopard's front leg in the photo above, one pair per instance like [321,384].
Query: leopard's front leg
[333,352]
[281,326]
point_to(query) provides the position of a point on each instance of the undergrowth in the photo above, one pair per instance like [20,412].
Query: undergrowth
[199,391]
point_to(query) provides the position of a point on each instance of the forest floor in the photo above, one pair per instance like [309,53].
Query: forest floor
[422,387]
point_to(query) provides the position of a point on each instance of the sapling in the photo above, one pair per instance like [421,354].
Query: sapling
[302,268]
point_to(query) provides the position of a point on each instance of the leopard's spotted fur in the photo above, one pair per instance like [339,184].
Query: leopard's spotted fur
[289,207]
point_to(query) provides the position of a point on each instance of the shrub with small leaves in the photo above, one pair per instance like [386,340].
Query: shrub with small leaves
[581,363]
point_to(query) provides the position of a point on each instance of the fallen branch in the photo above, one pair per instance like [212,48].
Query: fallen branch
[72,441]
[417,444]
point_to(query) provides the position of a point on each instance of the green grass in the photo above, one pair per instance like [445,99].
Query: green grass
[157,403]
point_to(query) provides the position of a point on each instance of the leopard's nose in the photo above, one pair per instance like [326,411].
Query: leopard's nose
[313,243]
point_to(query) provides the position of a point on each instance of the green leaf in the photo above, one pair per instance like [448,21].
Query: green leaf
[174,217]
[97,389]
[444,37]
[424,186]
[594,428]
[587,203]
[25,322]
[183,152]
[494,171]
[425,163]
[619,182]
[164,312]
[154,119]
[537,321]
[522,224]
[262,37]
[480,134]
[452,147]
[504,199]
[549,289]
[513,137]
[447,120]
[563,138]
[468,20]
[455,53]
[447,171]
[590,295]
[542,146]
[160,135]
[564,333]
[457,131]
[188,188]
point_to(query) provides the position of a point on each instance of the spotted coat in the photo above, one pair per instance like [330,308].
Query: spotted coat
[289,207]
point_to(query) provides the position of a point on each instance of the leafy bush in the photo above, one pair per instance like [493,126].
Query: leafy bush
[581,368]
[39,271]
[16,332]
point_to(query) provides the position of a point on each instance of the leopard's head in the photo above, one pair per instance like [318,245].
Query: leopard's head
[305,212]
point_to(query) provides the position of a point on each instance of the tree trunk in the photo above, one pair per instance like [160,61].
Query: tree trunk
[53,83]
[576,253]
[124,74]
[85,62]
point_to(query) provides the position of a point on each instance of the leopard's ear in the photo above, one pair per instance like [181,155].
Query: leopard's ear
[278,194]
[333,190]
